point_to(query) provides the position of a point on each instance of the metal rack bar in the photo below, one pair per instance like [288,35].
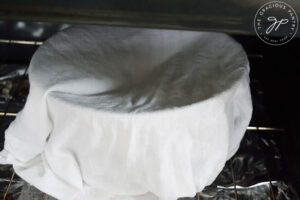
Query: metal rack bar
[255,56]
[8,114]
[25,42]
[9,184]
[272,196]
[233,180]
[262,128]
[271,188]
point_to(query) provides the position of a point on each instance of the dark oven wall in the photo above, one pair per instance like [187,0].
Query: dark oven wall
[277,69]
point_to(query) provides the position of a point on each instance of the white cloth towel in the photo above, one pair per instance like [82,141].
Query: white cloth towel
[128,113]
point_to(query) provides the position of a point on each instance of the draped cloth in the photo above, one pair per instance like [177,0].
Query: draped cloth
[128,113]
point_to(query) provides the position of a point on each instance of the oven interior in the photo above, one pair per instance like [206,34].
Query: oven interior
[267,164]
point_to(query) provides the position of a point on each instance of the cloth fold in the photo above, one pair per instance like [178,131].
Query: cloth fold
[127,113]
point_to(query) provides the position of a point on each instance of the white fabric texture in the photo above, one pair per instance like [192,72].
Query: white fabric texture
[127,113]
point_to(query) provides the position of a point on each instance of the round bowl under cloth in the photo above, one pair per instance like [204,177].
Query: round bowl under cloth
[124,113]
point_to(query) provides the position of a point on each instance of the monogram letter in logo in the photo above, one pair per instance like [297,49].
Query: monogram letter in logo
[275,24]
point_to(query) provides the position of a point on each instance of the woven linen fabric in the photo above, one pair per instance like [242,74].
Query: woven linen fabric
[128,113]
